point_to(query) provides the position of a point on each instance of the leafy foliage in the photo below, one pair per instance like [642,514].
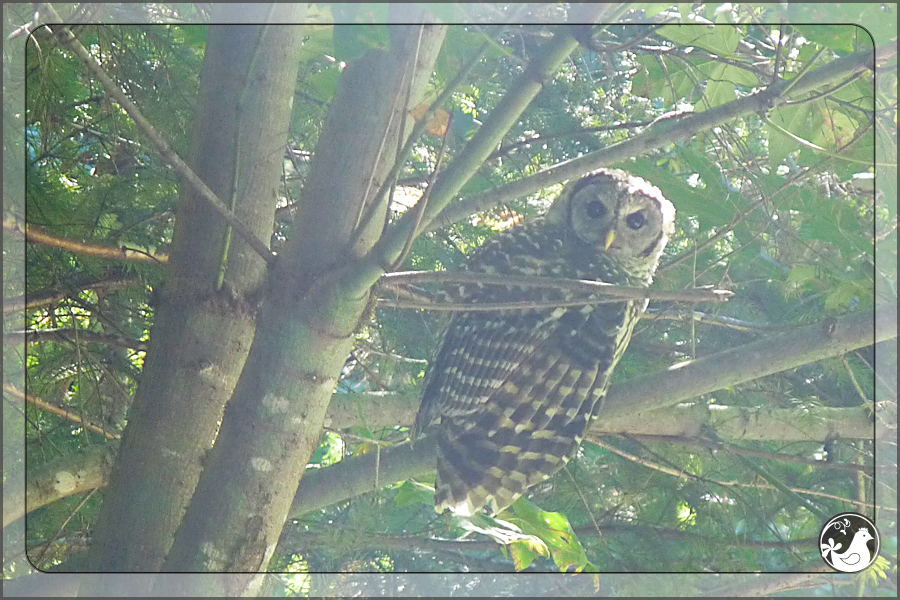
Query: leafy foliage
[777,207]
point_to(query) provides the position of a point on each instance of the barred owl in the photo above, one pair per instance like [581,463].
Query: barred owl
[514,390]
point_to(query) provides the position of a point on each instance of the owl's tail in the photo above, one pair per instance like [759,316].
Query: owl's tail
[476,470]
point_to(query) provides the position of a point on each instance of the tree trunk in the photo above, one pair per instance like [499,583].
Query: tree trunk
[204,322]
[305,331]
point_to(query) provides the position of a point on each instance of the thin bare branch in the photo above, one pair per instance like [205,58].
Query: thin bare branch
[14,391]
[578,285]
[75,335]
[15,225]
[471,158]
[663,132]
[420,206]
[162,146]
[49,296]
[684,474]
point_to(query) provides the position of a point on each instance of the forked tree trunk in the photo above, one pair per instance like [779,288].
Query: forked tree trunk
[202,331]
[306,323]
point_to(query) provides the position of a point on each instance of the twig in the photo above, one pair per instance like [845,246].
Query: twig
[507,149]
[422,123]
[13,224]
[756,204]
[678,51]
[397,357]
[64,524]
[13,391]
[776,482]
[577,285]
[778,53]
[469,160]
[423,201]
[859,389]
[656,136]
[684,474]
[803,71]
[699,442]
[69,335]
[49,296]
[708,319]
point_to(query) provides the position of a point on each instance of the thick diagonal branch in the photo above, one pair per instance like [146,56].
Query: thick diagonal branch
[473,156]
[829,338]
[661,133]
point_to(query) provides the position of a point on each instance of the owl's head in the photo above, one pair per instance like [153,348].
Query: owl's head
[616,213]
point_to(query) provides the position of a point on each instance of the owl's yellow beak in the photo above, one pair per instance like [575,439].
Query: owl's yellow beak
[610,238]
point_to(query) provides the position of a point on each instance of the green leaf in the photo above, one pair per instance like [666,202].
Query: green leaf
[324,83]
[648,82]
[651,8]
[412,492]
[366,31]
[709,172]
[842,296]
[525,551]
[802,274]
[721,40]
[830,24]
[791,118]
[719,89]
[318,41]
[685,198]
[740,76]
[555,531]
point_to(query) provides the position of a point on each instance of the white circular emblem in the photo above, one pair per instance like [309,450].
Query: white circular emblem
[849,542]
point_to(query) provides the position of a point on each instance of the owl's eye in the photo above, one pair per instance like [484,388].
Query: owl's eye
[636,220]
[594,209]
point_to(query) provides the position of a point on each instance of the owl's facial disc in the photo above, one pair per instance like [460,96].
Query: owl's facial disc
[617,213]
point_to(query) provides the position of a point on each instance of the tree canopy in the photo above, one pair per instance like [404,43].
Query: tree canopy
[217,224]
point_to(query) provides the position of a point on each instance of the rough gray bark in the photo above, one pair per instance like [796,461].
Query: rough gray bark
[200,339]
[274,421]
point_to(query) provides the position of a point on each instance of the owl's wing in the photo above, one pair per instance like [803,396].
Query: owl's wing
[480,349]
[532,417]
[478,353]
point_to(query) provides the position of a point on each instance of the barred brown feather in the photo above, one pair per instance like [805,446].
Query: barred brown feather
[514,390]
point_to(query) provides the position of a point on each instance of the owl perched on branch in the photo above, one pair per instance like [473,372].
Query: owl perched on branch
[515,390]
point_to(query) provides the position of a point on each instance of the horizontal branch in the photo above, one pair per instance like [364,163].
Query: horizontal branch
[578,285]
[803,345]
[383,410]
[379,410]
[73,335]
[697,316]
[63,476]
[829,338]
[362,540]
[66,290]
